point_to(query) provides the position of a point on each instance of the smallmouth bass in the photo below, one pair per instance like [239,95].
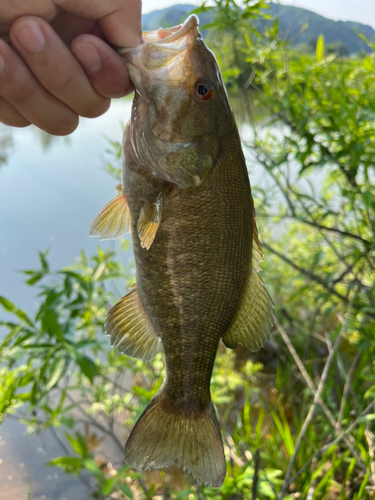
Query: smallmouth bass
[186,199]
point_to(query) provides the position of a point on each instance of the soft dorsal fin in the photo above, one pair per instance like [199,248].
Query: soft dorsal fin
[253,321]
[149,220]
[114,220]
[129,330]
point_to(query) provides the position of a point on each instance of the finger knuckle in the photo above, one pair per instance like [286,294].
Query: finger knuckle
[62,84]
[97,108]
[22,93]
[10,116]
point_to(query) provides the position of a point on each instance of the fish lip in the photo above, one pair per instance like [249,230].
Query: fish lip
[176,33]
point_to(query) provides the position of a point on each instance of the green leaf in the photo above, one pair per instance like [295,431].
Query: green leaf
[184,494]
[143,393]
[109,485]
[370,393]
[363,486]
[368,418]
[72,465]
[368,199]
[10,307]
[51,324]
[99,271]
[94,468]
[43,261]
[68,422]
[125,489]
[78,446]
[87,366]
[320,48]
[68,286]
[55,371]
[368,63]
[37,277]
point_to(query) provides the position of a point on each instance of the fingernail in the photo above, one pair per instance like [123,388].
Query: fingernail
[2,63]
[89,57]
[30,36]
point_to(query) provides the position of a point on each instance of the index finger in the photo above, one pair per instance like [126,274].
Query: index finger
[120,20]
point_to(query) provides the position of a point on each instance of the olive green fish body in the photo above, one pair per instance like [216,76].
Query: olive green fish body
[191,279]
[186,199]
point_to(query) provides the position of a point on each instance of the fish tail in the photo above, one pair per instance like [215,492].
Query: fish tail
[163,438]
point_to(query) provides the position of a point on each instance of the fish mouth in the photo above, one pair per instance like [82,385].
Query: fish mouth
[163,49]
[165,36]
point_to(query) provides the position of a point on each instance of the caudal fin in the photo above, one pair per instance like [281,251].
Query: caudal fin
[162,439]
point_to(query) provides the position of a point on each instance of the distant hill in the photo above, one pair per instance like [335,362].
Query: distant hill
[171,16]
[291,20]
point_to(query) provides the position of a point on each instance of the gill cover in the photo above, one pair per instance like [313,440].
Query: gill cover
[174,124]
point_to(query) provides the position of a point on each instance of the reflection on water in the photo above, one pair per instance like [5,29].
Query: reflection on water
[49,195]
[6,143]
[47,140]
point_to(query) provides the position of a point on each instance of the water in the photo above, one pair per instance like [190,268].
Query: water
[50,191]
[22,469]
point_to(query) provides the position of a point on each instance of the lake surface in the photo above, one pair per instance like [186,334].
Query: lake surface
[51,189]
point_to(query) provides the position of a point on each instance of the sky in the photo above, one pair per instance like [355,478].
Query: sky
[362,11]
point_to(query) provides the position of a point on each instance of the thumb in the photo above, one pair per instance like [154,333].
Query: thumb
[119,20]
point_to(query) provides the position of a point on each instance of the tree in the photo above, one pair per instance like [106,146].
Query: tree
[338,48]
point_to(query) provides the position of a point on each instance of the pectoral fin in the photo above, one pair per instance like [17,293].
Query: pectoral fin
[129,330]
[149,220]
[253,321]
[113,221]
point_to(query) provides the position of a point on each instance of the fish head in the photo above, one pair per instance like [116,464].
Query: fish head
[180,110]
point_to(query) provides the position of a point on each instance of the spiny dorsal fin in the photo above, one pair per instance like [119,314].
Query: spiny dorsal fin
[113,221]
[149,220]
[129,330]
[253,321]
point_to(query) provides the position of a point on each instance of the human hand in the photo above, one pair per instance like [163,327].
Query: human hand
[57,67]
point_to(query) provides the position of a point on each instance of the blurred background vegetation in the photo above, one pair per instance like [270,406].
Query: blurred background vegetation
[298,417]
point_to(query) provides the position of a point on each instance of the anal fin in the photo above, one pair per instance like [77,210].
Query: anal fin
[149,220]
[129,330]
[113,221]
[253,321]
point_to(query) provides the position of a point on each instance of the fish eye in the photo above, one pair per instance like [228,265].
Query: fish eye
[203,90]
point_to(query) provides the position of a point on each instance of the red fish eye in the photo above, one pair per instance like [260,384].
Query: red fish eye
[203,90]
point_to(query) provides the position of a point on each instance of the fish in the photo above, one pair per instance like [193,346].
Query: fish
[185,197]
